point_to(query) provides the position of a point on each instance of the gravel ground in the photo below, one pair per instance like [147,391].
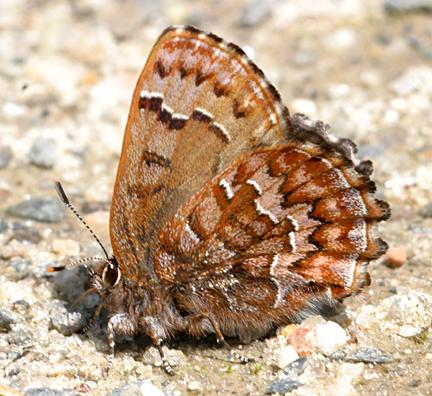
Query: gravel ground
[67,72]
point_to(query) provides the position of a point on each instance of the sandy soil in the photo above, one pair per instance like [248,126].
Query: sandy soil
[67,72]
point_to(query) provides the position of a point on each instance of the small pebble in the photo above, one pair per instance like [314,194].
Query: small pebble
[330,337]
[49,392]
[348,374]
[149,389]
[305,106]
[23,232]
[338,355]
[43,153]
[391,116]
[290,381]
[21,267]
[342,39]
[137,388]
[295,368]
[369,355]
[414,383]
[370,78]
[286,355]
[415,79]
[7,318]
[21,307]
[5,156]
[409,331]
[174,357]
[130,389]
[426,211]
[338,91]
[393,290]
[3,225]
[20,335]
[283,386]
[303,340]
[63,321]
[286,331]
[47,210]
[194,386]
[14,248]
[395,257]
[83,387]
[404,6]
[13,110]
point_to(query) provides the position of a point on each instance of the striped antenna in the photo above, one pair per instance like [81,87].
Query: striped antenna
[64,198]
[82,261]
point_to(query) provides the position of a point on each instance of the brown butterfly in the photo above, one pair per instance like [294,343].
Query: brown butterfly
[229,216]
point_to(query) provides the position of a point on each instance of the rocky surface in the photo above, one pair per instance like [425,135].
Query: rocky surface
[67,73]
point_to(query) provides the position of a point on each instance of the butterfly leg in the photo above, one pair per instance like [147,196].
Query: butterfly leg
[200,321]
[165,364]
[221,340]
[219,336]
[158,343]
[118,324]
[157,339]
[111,342]
[94,318]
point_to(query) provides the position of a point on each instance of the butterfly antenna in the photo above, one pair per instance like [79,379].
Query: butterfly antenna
[64,198]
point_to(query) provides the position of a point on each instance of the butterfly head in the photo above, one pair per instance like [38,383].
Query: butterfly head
[108,282]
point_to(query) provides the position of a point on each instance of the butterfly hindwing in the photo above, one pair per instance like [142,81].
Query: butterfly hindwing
[253,237]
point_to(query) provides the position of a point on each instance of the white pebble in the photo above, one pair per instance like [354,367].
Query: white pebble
[286,355]
[305,106]
[348,375]
[330,337]
[415,79]
[409,331]
[338,91]
[194,386]
[13,110]
[391,116]
[343,38]
[147,388]
[370,78]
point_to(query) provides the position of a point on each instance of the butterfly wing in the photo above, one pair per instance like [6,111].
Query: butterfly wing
[198,104]
[280,234]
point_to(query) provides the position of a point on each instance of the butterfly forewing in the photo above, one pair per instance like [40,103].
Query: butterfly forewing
[198,104]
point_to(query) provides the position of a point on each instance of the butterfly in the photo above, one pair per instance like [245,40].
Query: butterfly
[229,215]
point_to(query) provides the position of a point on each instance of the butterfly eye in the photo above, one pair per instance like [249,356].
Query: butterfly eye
[111,275]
